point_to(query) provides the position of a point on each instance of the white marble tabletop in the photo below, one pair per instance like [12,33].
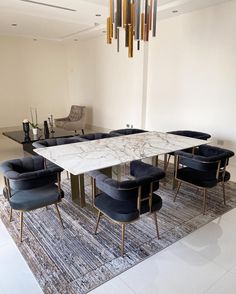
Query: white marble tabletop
[81,157]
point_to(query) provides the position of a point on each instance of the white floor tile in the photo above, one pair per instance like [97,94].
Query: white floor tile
[229,216]
[227,285]
[216,241]
[114,286]
[178,269]
[5,237]
[15,275]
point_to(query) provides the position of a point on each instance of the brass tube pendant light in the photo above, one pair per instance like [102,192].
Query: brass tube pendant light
[136,17]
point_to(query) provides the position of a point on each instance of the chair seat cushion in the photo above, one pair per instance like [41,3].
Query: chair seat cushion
[124,211]
[35,198]
[198,178]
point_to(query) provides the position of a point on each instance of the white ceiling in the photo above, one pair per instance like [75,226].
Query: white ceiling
[44,22]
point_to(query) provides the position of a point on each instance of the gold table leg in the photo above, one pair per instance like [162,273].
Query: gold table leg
[77,189]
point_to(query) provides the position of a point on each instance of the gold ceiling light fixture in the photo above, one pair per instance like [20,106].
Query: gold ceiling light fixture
[137,17]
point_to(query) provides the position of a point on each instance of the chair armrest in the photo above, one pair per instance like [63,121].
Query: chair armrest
[62,119]
[13,175]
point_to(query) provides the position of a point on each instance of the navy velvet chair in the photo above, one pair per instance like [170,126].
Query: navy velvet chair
[28,185]
[94,136]
[204,170]
[186,133]
[122,132]
[124,202]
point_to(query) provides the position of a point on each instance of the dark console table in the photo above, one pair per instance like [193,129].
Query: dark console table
[19,137]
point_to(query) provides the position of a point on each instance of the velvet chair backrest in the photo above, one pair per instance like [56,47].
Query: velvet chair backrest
[28,173]
[94,136]
[121,132]
[198,163]
[213,153]
[128,190]
[191,134]
[55,142]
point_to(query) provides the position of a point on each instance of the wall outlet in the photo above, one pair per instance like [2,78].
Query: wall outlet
[127,125]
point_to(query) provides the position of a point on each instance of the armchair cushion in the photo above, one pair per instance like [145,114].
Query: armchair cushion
[123,211]
[26,200]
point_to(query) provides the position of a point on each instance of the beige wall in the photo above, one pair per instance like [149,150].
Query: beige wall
[107,82]
[190,79]
[192,74]
[32,74]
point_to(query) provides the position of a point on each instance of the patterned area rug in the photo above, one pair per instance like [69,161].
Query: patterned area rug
[74,260]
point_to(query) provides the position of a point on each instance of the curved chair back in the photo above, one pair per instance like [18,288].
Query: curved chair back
[56,141]
[76,112]
[191,134]
[28,173]
[94,136]
[147,180]
[122,132]
[215,153]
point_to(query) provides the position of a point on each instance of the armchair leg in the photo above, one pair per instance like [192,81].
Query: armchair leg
[21,225]
[204,200]
[82,131]
[10,218]
[179,184]
[59,215]
[156,224]
[98,220]
[123,239]
[223,186]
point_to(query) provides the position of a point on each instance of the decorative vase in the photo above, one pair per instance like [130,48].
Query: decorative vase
[26,128]
[35,131]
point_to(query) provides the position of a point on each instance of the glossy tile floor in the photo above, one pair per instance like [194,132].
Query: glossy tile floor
[202,262]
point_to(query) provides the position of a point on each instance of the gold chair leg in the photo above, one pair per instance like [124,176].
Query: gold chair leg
[10,218]
[223,186]
[123,239]
[156,224]
[179,184]
[21,225]
[98,220]
[59,215]
[204,200]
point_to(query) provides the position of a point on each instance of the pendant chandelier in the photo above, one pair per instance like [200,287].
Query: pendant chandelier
[136,17]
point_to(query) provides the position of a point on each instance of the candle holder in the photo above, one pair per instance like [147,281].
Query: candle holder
[26,128]
[50,120]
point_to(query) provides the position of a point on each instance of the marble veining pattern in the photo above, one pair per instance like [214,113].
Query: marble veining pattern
[78,158]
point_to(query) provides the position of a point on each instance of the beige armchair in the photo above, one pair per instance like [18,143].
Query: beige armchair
[74,121]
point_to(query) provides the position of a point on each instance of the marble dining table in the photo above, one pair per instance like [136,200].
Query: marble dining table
[82,157]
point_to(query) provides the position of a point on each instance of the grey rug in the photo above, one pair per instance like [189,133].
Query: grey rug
[74,260]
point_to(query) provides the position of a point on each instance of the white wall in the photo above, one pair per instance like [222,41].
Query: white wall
[191,77]
[32,74]
[192,74]
[108,82]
